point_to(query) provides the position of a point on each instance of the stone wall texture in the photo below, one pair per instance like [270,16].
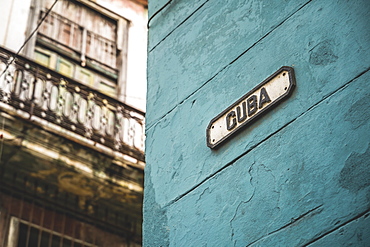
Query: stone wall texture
[300,174]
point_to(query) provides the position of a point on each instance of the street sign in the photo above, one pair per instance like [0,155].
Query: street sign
[252,105]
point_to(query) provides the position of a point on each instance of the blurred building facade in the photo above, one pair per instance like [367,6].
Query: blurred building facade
[72,122]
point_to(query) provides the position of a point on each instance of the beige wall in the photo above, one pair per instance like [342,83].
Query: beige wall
[137,43]
[13,19]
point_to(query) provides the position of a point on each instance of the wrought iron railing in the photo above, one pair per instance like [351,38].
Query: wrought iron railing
[39,92]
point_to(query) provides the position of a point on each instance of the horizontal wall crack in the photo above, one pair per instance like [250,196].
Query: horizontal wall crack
[267,138]
[311,212]
[225,67]
[338,227]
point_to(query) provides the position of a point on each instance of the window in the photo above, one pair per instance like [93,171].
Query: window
[65,67]
[82,43]
[85,76]
[26,223]
[43,57]
[23,233]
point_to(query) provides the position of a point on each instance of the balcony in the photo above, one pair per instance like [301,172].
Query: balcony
[69,108]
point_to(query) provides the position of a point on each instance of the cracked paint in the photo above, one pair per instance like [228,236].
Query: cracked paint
[265,195]
[298,176]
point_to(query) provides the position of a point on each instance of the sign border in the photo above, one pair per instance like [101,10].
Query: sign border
[288,92]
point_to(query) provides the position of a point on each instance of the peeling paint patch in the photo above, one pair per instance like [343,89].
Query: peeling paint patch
[360,113]
[322,54]
[156,232]
[355,175]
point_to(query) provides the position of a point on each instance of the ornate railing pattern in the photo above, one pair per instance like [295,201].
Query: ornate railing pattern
[41,92]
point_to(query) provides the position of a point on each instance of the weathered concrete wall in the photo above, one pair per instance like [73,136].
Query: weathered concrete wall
[297,176]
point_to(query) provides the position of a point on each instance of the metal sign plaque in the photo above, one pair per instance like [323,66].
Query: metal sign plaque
[252,105]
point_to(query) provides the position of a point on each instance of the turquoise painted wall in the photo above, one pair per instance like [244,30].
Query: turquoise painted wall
[299,175]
